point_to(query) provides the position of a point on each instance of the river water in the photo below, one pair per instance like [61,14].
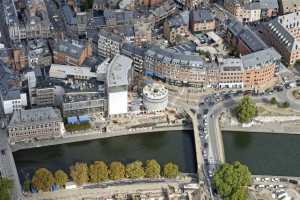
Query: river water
[175,146]
[264,153]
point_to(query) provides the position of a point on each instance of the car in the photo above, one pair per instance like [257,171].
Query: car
[3,151]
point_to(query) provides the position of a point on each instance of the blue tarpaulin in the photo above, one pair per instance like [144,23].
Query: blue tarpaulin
[72,120]
[84,119]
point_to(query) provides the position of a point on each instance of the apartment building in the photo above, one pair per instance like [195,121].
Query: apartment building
[71,52]
[109,44]
[252,11]
[11,96]
[34,22]
[176,26]
[283,33]
[202,20]
[39,123]
[251,71]
[142,32]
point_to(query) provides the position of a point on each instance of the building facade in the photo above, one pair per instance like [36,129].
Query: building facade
[39,123]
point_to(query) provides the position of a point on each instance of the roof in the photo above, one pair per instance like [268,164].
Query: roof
[259,58]
[201,15]
[69,15]
[34,116]
[280,30]
[62,71]
[111,36]
[169,57]
[179,20]
[117,74]
[131,50]
[71,48]
[252,40]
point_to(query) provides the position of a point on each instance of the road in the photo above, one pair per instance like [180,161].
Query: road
[7,165]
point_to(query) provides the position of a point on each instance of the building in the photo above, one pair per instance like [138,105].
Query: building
[283,33]
[118,17]
[162,12]
[109,44]
[71,52]
[243,38]
[252,11]
[81,21]
[289,6]
[259,67]
[150,3]
[81,103]
[11,97]
[176,26]
[28,23]
[69,18]
[67,71]
[39,123]
[251,71]
[155,97]
[202,20]
[118,79]
[39,54]
[142,32]
[136,54]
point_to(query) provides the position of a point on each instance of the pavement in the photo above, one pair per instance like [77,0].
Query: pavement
[7,166]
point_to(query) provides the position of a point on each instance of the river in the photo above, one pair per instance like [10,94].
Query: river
[264,153]
[175,146]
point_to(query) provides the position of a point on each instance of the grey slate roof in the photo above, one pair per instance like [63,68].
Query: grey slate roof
[201,15]
[259,58]
[69,48]
[69,15]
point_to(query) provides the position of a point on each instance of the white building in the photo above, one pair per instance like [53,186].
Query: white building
[118,78]
[155,97]
[65,71]
[13,100]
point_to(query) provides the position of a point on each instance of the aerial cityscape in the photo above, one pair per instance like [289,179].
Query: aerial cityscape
[149,99]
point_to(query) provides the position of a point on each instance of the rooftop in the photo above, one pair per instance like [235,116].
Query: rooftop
[72,48]
[118,68]
[63,71]
[201,15]
[35,116]
[260,58]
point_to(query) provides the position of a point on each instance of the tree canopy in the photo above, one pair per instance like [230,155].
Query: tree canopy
[152,169]
[230,181]
[79,173]
[5,188]
[170,170]
[135,170]
[246,110]
[61,178]
[98,172]
[43,180]
[117,171]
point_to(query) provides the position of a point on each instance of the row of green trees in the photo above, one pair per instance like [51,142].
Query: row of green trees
[98,171]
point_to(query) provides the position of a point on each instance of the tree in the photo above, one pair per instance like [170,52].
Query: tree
[5,188]
[230,181]
[273,101]
[152,169]
[98,172]
[135,170]
[117,171]
[43,180]
[26,185]
[79,173]
[285,104]
[170,170]
[246,110]
[61,178]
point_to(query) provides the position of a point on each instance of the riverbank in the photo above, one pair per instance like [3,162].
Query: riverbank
[93,135]
[274,127]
